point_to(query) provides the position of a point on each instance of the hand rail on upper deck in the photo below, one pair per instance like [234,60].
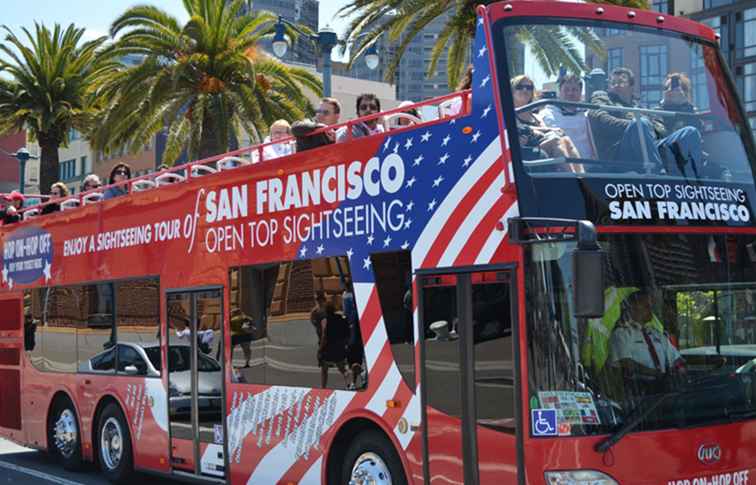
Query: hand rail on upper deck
[256,153]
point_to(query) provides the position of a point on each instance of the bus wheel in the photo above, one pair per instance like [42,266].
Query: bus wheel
[114,445]
[65,438]
[372,459]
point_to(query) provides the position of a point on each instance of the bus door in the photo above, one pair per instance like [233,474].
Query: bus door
[467,372]
[195,382]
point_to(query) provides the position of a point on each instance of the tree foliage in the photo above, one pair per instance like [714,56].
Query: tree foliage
[205,80]
[50,85]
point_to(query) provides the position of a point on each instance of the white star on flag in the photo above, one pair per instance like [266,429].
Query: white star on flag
[350,253]
[425,137]
[485,111]
[387,144]
[47,271]
[485,81]
[370,240]
[396,148]
[410,182]
[482,51]
[320,249]
[437,181]
[453,121]
[417,161]
[405,245]
[480,21]
[387,241]
[432,205]
[366,263]
[303,251]
[407,223]
[475,137]
[467,161]
[442,160]
[408,144]
[445,140]
[410,206]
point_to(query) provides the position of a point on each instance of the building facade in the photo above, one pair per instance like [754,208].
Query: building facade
[9,166]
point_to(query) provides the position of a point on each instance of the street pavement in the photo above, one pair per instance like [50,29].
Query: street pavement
[29,467]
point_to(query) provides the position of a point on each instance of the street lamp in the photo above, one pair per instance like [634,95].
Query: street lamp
[23,156]
[326,39]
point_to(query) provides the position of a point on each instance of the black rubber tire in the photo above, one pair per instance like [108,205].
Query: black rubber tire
[74,462]
[373,441]
[125,469]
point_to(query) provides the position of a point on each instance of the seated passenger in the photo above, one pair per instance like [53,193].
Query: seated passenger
[617,134]
[459,104]
[279,130]
[367,104]
[640,350]
[57,190]
[328,113]
[11,213]
[120,173]
[571,120]
[91,182]
[536,139]
[303,130]
[402,122]
[677,97]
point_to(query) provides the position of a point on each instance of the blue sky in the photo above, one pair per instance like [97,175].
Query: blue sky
[96,15]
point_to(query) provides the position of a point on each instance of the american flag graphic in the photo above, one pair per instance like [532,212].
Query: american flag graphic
[454,203]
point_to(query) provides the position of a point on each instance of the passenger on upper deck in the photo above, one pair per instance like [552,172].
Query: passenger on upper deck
[120,173]
[11,212]
[571,120]
[367,104]
[457,105]
[328,113]
[677,97]
[280,129]
[57,191]
[91,182]
[536,139]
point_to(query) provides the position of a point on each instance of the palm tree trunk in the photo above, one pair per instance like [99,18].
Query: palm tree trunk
[49,163]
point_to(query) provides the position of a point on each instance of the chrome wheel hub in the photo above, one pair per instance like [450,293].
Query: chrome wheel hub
[66,433]
[370,469]
[111,443]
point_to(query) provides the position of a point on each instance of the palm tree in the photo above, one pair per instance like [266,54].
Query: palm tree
[50,87]
[403,20]
[205,80]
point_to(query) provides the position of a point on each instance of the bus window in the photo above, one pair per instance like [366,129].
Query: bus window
[61,315]
[95,335]
[278,314]
[138,319]
[393,282]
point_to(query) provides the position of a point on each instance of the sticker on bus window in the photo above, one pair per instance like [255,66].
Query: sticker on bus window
[574,408]
[544,422]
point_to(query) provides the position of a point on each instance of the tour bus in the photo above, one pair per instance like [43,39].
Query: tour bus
[441,303]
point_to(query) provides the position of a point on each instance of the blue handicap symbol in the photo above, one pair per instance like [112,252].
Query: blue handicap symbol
[544,422]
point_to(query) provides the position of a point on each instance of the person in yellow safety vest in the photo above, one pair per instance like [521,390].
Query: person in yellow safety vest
[595,349]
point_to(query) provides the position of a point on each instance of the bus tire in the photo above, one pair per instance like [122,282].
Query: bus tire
[113,441]
[65,434]
[371,458]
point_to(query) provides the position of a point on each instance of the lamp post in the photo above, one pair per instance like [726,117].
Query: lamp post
[23,156]
[326,39]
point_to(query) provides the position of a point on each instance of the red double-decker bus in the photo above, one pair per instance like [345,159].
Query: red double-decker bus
[557,289]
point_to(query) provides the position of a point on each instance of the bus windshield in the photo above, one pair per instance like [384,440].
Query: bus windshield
[625,100]
[680,320]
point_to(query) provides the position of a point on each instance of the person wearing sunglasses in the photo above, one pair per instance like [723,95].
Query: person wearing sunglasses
[120,173]
[91,182]
[367,104]
[537,141]
[58,190]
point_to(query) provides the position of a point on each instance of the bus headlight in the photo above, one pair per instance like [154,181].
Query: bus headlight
[579,477]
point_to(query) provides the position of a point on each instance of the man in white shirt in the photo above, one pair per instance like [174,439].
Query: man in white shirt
[638,348]
[572,121]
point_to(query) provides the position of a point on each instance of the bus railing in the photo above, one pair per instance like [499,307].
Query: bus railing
[449,106]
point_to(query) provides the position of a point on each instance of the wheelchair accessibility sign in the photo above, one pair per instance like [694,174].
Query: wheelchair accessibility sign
[544,422]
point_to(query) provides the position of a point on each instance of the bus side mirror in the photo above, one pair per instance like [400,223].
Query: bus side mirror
[588,269]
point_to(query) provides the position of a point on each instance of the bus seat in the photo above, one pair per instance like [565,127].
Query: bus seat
[69,204]
[228,163]
[141,185]
[199,170]
[92,198]
[31,213]
[168,178]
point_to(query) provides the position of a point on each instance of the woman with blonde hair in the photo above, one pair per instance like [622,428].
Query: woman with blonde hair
[58,190]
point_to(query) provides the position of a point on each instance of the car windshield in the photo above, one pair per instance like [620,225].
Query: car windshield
[625,99]
[680,319]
